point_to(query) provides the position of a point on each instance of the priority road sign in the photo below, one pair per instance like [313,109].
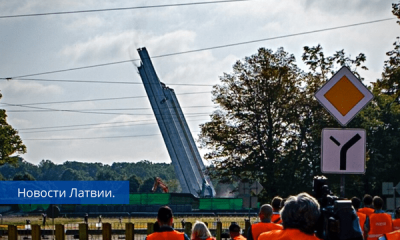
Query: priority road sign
[343,151]
[344,96]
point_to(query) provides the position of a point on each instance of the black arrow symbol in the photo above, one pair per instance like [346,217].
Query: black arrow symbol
[345,148]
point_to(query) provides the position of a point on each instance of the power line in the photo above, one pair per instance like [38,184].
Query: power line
[107,82]
[85,128]
[101,109]
[93,100]
[118,9]
[89,124]
[204,49]
[87,138]
[90,112]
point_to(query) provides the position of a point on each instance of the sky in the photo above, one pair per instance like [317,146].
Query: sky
[106,122]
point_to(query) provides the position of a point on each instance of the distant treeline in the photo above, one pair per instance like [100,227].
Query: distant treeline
[140,174]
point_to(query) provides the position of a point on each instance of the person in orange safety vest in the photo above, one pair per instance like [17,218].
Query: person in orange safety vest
[395,235]
[356,202]
[299,217]
[265,225]
[396,221]
[276,205]
[234,232]
[166,232]
[379,222]
[368,208]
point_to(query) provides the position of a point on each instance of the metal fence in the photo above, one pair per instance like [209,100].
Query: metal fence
[109,231]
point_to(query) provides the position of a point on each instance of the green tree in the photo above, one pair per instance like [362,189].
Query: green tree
[50,170]
[134,184]
[106,174]
[147,186]
[23,177]
[268,125]
[10,141]
[71,175]
[383,123]
[257,122]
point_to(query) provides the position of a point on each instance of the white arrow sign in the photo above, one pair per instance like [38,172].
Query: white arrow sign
[343,151]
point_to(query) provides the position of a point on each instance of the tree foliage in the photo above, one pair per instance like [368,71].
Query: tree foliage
[10,141]
[134,184]
[268,125]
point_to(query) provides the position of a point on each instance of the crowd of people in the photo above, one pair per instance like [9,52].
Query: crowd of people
[296,217]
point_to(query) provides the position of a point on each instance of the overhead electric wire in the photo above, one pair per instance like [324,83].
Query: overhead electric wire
[88,124]
[87,138]
[92,100]
[85,128]
[119,9]
[204,49]
[95,112]
[107,82]
[101,109]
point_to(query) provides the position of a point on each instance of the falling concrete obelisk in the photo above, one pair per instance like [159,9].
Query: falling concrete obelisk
[182,149]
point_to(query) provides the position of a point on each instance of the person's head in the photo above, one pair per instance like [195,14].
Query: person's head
[276,203]
[200,230]
[367,200]
[265,212]
[165,216]
[356,202]
[378,202]
[397,213]
[300,212]
[234,230]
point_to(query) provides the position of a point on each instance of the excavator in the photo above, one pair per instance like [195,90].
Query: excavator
[158,182]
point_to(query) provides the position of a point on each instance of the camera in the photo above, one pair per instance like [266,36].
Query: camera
[338,219]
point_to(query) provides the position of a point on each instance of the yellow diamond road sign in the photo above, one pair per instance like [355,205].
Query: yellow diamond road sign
[344,96]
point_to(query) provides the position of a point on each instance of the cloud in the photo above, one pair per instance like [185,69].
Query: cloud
[342,7]
[112,46]
[29,89]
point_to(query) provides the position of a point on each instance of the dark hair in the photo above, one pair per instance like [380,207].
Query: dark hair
[356,202]
[156,227]
[367,199]
[266,210]
[276,202]
[300,212]
[164,214]
[234,227]
[378,202]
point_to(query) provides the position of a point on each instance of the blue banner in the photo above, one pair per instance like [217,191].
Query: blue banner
[64,192]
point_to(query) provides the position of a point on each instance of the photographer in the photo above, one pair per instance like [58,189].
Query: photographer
[299,217]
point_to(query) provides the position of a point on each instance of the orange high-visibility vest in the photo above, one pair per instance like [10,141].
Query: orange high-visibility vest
[393,235]
[239,237]
[168,235]
[276,218]
[287,234]
[379,223]
[258,228]
[362,217]
[367,211]
[396,224]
